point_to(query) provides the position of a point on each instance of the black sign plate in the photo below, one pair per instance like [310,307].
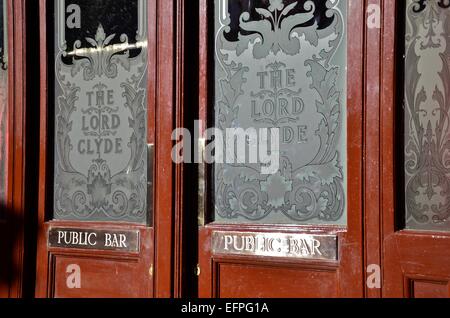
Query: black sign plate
[127,241]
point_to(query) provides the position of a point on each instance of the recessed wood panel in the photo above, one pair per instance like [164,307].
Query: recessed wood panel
[105,278]
[430,289]
[258,281]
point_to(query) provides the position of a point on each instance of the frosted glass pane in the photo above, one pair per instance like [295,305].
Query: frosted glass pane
[100,110]
[427,121]
[282,64]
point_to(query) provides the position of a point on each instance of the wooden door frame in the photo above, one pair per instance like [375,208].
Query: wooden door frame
[164,98]
[351,246]
[378,59]
[16,153]
[7,211]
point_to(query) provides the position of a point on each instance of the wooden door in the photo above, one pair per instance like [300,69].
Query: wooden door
[4,154]
[295,66]
[416,213]
[13,150]
[105,168]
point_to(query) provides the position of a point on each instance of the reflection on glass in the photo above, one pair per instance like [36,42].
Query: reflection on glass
[282,64]
[3,100]
[427,121]
[100,110]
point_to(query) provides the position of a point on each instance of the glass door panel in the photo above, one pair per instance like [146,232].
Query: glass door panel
[281,65]
[426,115]
[100,110]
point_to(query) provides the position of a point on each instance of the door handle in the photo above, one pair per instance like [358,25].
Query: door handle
[150,181]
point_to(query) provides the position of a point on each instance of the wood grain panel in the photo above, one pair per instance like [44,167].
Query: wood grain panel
[259,281]
[106,278]
[430,289]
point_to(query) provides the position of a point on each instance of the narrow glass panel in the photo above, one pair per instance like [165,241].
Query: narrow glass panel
[3,100]
[100,110]
[281,64]
[427,121]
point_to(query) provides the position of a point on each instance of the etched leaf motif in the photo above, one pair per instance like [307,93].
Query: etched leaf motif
[289,8]
[264,12]
[327,173]
[311,34]
[100,35]
[276,186]
[109,39]
[92,42]
[228,93]
[99,190]
[101,58]
[274,31]
[276,5]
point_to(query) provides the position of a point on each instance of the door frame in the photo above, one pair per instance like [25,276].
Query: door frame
[17,222]
[377,60]
[163,91]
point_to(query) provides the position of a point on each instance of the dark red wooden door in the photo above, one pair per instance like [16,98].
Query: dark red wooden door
[416,210]
[297,230]
[105,187]
[4,156]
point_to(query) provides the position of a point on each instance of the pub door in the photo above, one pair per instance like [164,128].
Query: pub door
[293,229]
[105,171]
[416,199]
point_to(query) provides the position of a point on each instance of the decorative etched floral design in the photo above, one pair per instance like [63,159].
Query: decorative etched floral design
[102,58]
[101,129]
[99,184]
[275,29]
[314,191]
[108,193]
[420,5]
[276,5]
[427,99]
[276,187]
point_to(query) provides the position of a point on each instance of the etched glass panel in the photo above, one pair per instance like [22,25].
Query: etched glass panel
[100,110]
[282,64]
[3,101]
[427,110]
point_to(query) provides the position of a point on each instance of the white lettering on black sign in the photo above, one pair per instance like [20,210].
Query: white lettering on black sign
[95,239]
